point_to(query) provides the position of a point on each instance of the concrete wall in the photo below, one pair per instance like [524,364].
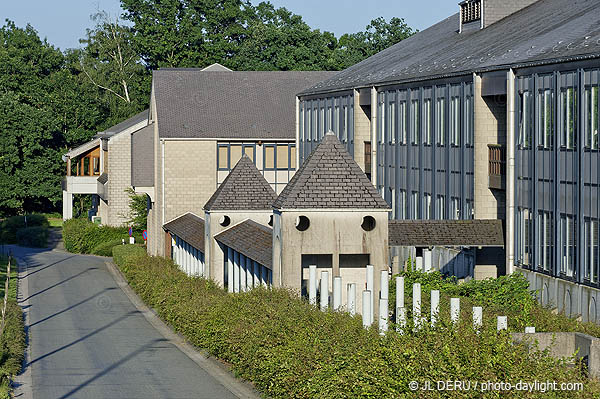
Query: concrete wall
[574,300]
[213,253]
[330,232]
[362,128]
[495,10]
[490,128]
[119,179]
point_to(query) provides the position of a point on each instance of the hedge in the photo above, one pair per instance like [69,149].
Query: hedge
[33,237]
[9,228]
[83,236]
[122,254]
[289,349]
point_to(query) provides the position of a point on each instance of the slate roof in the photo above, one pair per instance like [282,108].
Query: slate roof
[103,178]
[126,124]
[250,239]
[467,233]
[330,179]
[188,227]
[191,103]
[545,32]
[244,188]
[142,157]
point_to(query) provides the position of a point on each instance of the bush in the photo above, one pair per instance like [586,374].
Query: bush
[123,254]
[105,248]
[83,236]
[12,343]
[290,349]
[9,227]
[33,237]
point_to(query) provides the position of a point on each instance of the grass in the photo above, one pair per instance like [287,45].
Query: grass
[55,222]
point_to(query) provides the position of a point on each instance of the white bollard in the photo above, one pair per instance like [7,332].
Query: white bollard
[352,299]
[337,293]
[324,290]
[312,284]
[384,287]
[419,263]
[366,308]
[230,277]
[416,304]
[454,309]
[427,260]
[132,240]
[400,319]
[477,318]
[502,323]
[435,306]
[383,316]
[529,330]
[399,292]
[370,277]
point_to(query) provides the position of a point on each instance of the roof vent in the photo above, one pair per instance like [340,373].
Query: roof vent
[470,15]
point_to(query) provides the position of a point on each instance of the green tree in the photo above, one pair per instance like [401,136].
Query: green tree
[138,210]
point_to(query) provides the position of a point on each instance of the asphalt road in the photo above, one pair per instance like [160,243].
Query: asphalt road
[87,340]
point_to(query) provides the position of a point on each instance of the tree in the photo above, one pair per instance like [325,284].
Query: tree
[138,210]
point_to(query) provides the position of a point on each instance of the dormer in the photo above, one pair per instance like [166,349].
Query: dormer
[479,14]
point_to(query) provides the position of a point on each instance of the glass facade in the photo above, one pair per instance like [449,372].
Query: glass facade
[425,148]
[557,174]
[318,116]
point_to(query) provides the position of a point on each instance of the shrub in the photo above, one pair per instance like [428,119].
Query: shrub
[33,237]
[9,227]
[83,236]
[105,248]
[290,349]
[12,343]
[123,254]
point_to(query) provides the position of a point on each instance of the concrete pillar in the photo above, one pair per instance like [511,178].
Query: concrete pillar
[400,319]
[312,284]
[242,273]
[230,272]
[510,172]
[337,293]
[370,278]
[366,308]
[249,277]
[395,265]
[477,318]
[454,309]
[67,205]
[236,271]
[352,299]
[384,285]
[399,292]
[427,260]
[324,290]
[435,306]
[417,304]
[419,263]
[383,315]
[502,323]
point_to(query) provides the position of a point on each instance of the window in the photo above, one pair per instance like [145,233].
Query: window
[368,159]
[427,111]
[591,116]
[569,117]
[269,156]
[402,121]
[279,156]
[469,139]
[426,206]
[392,123]
[401,214]
[414,118]
[546,115]
[282,157]
[414,205]
[292,157]
[441,207]
[455,121]
[235,153]
[567,236]
[469,209]
[455,208]
[249,151]
[524,236]
[524,120]
[86,166]
[96,165]
[591,250]
[545,240]
[441,121]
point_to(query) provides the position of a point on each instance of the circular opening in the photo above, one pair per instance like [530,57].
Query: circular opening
[368,223]
[302,223]
[224,221]
[271,220]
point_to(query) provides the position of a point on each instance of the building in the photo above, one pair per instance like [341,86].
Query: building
[491,113]
[102,168]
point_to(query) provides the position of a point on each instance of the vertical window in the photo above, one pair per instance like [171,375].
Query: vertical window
[249,151]
[414,204]
[441,121]
[545,240]
[524,120]
[392,123]
[468,119]
[455,121]
[292,157]
[427,112]
[546,115]
[368,159]
[414,118]
[402,121]
[524,236]
[282,156]
[441,207]
[469,209]
[426,206]
[567,232]
[455,208]
[401,205]
[569,117]
[86,166]
[591,116]
[96,165]
[591,250]
[269,156]
[235,153]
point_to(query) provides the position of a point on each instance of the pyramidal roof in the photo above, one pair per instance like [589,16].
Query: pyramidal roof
[243,189]
[330,179]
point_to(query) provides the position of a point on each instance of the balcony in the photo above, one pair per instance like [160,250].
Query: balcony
[496,167]
[83,185]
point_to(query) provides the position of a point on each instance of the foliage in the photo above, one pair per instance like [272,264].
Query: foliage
[83,236]
[12,346]
[289,349]
[105,248]
[138,209]
[9,227]
[33,237]
[123,254]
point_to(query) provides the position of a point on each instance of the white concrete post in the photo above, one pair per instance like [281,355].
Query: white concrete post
[370,277]
[230,277]
[366,308]
[312,284]
[454,309]
[416,304]
[384,286]
[419,263]
[400,319]
[68,205]
[256,273]
[324,290]
[435,306]
[529,330]
[249,276]
[337,293]
[383,316]
[236,271]
[399,292]
[477,318]
[502,323]
[352,299]
[427,260]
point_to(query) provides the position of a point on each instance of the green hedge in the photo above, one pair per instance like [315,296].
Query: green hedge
[12,346]
[10,227]
[83,236]
[290,349]
[33,237]
[124,254]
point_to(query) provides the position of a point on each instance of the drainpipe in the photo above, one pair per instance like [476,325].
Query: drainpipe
[163,181]
[510,172]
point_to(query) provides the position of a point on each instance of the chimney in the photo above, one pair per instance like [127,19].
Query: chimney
[479,14]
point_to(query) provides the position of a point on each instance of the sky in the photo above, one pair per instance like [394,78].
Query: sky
[64,22]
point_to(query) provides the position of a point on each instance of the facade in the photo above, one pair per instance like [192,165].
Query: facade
[102,168]
[490,114]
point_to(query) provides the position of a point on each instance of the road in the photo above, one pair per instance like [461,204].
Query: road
[88,340]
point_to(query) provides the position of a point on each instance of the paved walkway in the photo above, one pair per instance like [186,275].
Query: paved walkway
[87,339]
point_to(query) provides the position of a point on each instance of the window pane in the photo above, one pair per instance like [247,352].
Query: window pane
[282,157]
[96,161]
[440,115]
[86,166]
[249,152]
[293,157]
[236,154]
[269,157]
[222,155]
[415,121]
[427,111]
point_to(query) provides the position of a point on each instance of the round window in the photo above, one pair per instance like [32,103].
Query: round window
[302,223]
[224,221]
[368,223]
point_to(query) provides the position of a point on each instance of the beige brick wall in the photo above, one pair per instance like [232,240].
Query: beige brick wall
[119,179]
[495,10]
[362,131]
[490,128]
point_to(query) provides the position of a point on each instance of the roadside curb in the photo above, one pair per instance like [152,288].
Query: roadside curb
[22,383]
[215,369]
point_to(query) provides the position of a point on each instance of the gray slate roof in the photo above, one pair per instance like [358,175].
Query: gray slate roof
[191,103]
[188,227]
[425,233]
[250,239]
[126,124]
[548,31]
[330,179]
[142,157]
[103,178]
[244,188]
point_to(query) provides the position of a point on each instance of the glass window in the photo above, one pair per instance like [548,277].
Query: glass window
[249,151]
[567,233]
[441,207]
[402,121]
[282,157]
[426,206]
[524,120]
[414,128]
[545,240]
[524,236]
[392,123]
[441,121]
[222,155]
[401,205]
[455,121]
[86,166]
[569,117]
[546,123]
[427,111]
[591,111]
[269,157]
[292,157]
[235,153]
[414,204]
[468,119]
[455,208]
[591,250]
[96,165]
